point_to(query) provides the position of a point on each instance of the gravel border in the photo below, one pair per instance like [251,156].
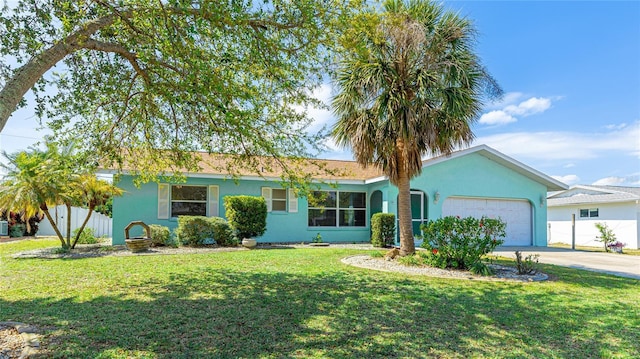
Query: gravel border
[502,273]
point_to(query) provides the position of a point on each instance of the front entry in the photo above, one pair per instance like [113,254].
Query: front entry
[418,215]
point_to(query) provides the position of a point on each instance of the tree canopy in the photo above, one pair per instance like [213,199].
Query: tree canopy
[144,83]
[409,85]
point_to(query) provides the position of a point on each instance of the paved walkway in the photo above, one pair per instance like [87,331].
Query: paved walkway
[612,263]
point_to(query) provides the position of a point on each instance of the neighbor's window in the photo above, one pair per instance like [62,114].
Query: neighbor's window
[591,212]
[337,209]
[188,200]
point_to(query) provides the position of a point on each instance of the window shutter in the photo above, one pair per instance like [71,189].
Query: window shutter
[214,194]
[293,201]
[164,191]
[266,194]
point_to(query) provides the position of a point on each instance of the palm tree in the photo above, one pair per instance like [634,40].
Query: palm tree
[33,184]
[409,85]
[93,192]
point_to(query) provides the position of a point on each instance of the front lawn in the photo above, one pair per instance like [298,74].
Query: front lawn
[306,303]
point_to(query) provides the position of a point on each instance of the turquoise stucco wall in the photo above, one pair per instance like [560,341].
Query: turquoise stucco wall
[142,204]
[472,175]
[477,176]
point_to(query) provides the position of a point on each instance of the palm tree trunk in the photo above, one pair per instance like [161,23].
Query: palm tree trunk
[407,245]
[68,205]
[86,220]
[54,225]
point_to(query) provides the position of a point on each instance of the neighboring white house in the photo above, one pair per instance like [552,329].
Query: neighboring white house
[618,207]
[100,223]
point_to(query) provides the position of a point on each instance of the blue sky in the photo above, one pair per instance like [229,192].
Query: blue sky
[571,75]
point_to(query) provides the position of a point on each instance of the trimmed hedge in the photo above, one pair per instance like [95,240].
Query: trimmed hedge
[247,215]
[199,230]
[383,229]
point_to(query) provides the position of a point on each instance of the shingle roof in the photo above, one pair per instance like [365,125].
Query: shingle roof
[594,194]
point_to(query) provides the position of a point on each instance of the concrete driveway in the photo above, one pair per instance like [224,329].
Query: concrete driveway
[612,263]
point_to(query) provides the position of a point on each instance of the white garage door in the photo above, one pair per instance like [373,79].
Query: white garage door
[516,213]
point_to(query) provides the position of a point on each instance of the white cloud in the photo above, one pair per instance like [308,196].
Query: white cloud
[569,165]
[497,117]
[566,146]
[322,117]
[506,110]
[568,179]
[529,107]
[609,181]
[616,126]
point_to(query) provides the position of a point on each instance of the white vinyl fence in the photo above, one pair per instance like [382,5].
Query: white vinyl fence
[100,223]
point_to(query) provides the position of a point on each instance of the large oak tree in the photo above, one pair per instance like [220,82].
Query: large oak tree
[145,82]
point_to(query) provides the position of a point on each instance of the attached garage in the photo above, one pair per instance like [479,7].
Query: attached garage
[517,214]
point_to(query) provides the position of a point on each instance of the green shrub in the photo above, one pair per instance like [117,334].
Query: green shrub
[160,235]
[383,229]
[87,236]
[198,230]
[606,235]
[247,215]
[223,234]
[454,242]
[17,230]
[528,265]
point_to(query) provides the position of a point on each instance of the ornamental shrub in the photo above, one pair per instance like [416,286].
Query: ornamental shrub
[606,235]
[383,229]
[160,235]
[87,236]
[17,230]
[199,230]
[247,215]
[454,242]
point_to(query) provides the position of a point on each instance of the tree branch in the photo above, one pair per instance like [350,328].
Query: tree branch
[91,44]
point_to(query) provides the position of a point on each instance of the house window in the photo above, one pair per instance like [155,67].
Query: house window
[280,199]
[188,200]
[337,209]
[591,212]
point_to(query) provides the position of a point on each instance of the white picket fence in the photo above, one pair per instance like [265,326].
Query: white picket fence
[101,224]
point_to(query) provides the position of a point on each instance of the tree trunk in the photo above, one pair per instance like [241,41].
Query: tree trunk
[407,245]
[68,205]
[53,224]
[86,220]
[27,75]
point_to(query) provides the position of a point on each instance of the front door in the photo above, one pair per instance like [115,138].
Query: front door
[418,216]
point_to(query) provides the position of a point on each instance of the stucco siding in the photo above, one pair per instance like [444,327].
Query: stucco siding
[477,176]
[142,204]
[622,218]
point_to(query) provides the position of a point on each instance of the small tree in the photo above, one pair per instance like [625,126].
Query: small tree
[247,215]
[606,235]
[383,229]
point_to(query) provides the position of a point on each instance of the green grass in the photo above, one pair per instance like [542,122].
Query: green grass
[632,252]
[298,303]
